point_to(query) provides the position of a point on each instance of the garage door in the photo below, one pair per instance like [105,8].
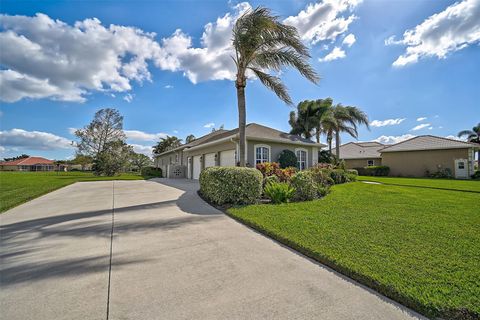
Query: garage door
[227,158]
[210,160]
[197,167]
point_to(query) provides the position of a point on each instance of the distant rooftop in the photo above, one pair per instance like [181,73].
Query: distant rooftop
[428,142]
[30,161]
[360,150]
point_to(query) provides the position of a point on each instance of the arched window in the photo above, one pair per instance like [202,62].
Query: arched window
[262,153]
[301,158]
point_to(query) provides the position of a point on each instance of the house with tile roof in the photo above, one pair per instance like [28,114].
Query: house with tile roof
[361,154]
[220,148]
[29,164]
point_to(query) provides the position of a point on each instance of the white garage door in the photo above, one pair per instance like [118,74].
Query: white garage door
[210,160]
[197,167]
[227,158]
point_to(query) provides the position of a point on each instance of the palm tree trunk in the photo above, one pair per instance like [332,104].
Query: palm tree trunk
[329,138]
[242,115]
[317,134]
[337,144]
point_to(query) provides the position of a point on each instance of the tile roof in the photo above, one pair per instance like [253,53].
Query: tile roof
[360,150]
[27,161]
[428,142]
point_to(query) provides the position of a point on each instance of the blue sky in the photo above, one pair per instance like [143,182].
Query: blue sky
[399,61]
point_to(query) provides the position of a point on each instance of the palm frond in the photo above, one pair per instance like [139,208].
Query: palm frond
[465,133]
[273,83]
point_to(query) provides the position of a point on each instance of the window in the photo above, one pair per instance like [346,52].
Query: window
[461,165]
[262,154]
[370,163]
[301,158]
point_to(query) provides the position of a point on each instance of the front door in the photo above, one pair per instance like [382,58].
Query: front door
[461,168]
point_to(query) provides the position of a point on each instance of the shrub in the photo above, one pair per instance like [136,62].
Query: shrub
[322,191]
[325,157]
[287,159]
[279,192]
[322,176]
[476,175]
[285,175]
[232,185]
[445,173]
[151,172]
[270,179]
[305,187]
[268,168]
[374,171]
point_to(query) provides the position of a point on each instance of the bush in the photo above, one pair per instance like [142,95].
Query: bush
[151,172]
[442,174]
[374,171]
[232,185]
[270,179]
[279,192]
[476,175]
[322,176]
[285,175]
[322,191]
[268,168]
[305,187]
[287,159]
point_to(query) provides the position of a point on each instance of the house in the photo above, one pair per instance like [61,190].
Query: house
[220,148]
[417,156]
[30,164]
[361,154]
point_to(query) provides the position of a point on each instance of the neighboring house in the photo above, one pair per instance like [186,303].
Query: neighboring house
[30,164]
[361,154]
[220,148]
[417,156]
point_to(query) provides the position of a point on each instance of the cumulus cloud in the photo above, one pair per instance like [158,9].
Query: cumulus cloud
[33,140]
[324,20]
[394,139]
[146,150]
[349,40]
[421,126]
[421,119]
[168,86]
[335,54]
[143,136]
[453,29]
[209,125]
[387,122]
[456,138]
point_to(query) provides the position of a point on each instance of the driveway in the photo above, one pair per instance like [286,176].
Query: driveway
[170,256]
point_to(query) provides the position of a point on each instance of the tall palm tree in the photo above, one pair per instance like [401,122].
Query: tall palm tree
[263,43]
[304,120]
[168,143]
[472,136]
[189,138]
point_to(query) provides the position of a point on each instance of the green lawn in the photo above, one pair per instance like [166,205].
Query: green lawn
[19,187]
[419,246]
[447,184]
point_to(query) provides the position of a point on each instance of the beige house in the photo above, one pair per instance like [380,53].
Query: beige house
[417,156]
[361,154]
[220,148]
[30,164]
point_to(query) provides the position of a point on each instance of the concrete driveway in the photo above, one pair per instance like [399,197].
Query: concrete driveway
[170,256]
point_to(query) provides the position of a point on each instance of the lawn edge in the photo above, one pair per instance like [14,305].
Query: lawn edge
[415,305]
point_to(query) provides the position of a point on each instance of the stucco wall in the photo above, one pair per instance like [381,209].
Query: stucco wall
[276,148]
[8,168]
[361,163]
[227,145]
[416,163]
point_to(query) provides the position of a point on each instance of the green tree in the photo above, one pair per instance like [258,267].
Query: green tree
[190,138]
[165,144]
[82,160]
[23,156]
[307,120]
[113,159]
[472,136]
[138,161]
[261,43]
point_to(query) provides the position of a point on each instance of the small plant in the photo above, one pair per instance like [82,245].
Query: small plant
[151,172]
[270,179]
[285,175]
[441,174]
[322,191]
[268,168]
[374,171]
[476,175]
[279,192]
[287,159]
[305,187]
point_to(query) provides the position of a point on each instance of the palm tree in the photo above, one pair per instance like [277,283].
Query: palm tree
[304,121]
[472,136]
[189,138]
[168,143]
[263,43]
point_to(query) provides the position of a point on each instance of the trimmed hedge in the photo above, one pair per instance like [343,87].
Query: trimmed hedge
[231,185]
[305,187]
[374,171]
[151,172]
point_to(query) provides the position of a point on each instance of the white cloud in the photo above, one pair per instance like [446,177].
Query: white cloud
[349,40]
[143,136]
[33,140]
[46,58]
[128,97]
[387,122]
[168,86]
[453,29]
[394,139]
[72,130]
[421,118]
[336,53]
[324,20]
[420,126]
[430,128]
[209,125]
[146,150]
[456,138]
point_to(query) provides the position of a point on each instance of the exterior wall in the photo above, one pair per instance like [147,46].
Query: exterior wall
[8,168]
[416,163]
[216,148]
[175,158]
[360,163]
[276,148]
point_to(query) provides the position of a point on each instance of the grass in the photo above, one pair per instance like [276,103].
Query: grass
[418,246]
[19,187]
[447,184]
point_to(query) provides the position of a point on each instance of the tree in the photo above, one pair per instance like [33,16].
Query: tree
[308,118]
[112,159]
[168,143]
[139,161]
[472,136]
[82,160]
[23,156]
[105,128]
[190,138]
[261,43]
